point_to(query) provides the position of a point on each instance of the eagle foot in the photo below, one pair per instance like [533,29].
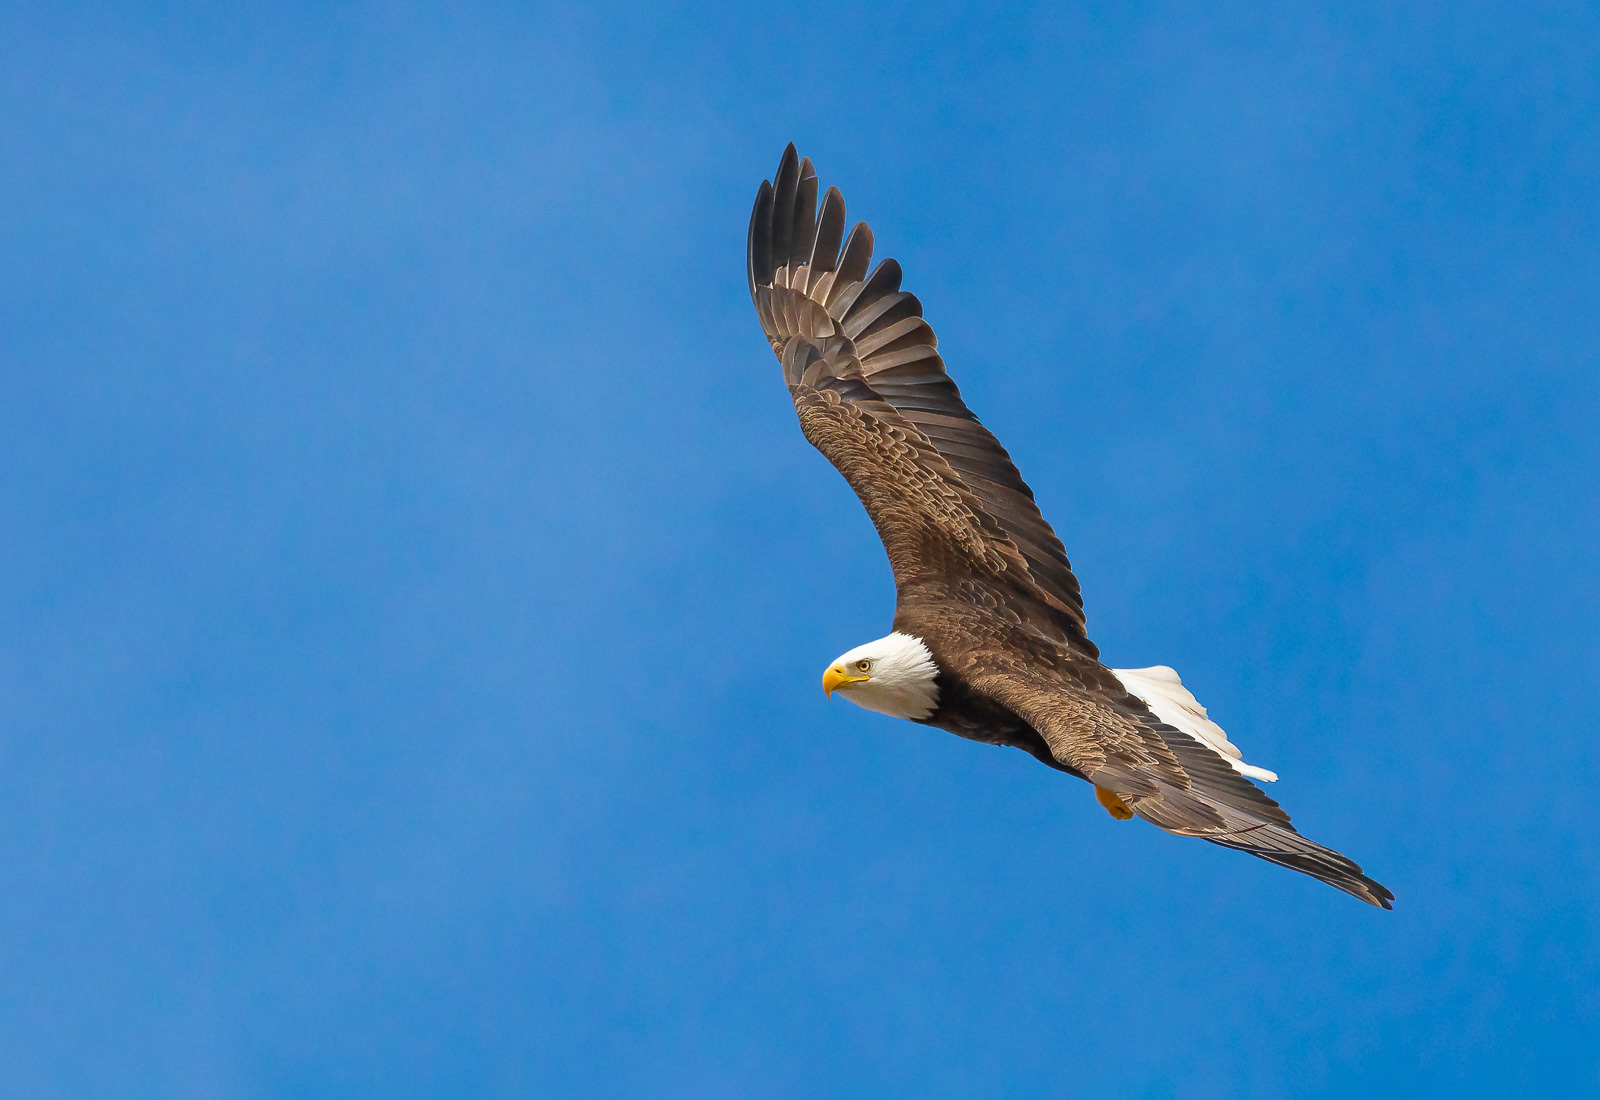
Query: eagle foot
[1114,805]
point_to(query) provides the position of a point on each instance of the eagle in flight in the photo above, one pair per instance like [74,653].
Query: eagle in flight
[988,640]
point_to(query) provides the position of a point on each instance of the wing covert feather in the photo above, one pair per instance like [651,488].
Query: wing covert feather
[930,523]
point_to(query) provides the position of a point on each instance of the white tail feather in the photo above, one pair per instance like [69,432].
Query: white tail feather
[1161,690]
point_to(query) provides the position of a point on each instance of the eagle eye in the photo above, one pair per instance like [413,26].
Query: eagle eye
[863,664]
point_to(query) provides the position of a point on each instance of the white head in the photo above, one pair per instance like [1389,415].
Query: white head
[893,676]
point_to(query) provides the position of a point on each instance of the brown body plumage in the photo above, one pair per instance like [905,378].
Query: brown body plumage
[981,578]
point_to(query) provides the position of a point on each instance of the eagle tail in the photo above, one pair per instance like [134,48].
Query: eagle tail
[1160,689]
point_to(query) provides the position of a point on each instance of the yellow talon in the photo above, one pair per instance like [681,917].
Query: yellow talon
[1114,805]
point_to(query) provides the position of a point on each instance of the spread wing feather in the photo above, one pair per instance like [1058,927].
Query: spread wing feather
[931,524]
[1166,777]
[811,282]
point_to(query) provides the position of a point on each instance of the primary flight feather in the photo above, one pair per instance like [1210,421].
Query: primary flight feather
[989,640]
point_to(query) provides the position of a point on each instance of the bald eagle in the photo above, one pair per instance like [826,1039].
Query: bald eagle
[989,639]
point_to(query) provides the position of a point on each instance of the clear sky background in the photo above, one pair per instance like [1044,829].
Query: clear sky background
[414,586]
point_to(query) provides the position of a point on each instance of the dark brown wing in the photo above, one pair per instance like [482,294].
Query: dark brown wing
[1166,776]
[931,524]
[810,282]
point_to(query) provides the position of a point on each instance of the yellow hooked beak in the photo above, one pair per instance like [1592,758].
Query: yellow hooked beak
[837,677]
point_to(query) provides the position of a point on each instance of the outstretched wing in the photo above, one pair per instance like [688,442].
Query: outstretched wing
[1168,778]
[871,349]
[931,524]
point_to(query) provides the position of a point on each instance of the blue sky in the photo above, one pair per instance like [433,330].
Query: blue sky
[414,587]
